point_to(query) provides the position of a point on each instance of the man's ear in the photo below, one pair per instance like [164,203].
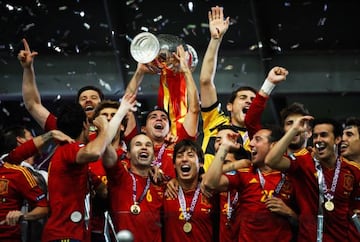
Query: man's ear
[338,140]
[143,129]
[229,107]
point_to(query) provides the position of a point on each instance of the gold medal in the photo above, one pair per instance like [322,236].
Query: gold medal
[135,209]
[329,205]
[187,227]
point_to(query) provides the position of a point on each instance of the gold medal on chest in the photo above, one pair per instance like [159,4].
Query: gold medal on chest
[135,209]
[187,227]
[329,205]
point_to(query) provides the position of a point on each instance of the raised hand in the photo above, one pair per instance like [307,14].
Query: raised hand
[180,56]
[26,57]
[101,123]
[60,136]
[128,102]
[217,24]
[277,75]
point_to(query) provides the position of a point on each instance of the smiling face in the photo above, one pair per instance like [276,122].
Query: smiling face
[325,142]
[239,106]
[350,144]
[157,125]
[260,146]
[187,164]
[141,151]
[88,100]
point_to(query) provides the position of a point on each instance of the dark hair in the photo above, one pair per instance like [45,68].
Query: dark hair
[294,108]
[71,119]
[276,132]
[156,108]
[353,121]
[141,133]
[187,143]
[8,140]
[243,88]
[337,130]
[83,89]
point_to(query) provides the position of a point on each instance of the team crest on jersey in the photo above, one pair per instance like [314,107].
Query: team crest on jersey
[348,182]
[4,186]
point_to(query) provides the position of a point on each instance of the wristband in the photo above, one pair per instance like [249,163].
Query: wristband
[267,87]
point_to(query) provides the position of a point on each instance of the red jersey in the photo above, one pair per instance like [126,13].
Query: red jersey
[253,115]
[337,223]
[98,204]
[22,152]
[16,185]
[258,223]
[166,156]
[201,219]
[67,186]
[145,226]
[229,226]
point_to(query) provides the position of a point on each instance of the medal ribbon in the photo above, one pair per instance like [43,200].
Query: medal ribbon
[330,195]
[182,202]
[278,186]
[158,162]
[134,189]
[231,205]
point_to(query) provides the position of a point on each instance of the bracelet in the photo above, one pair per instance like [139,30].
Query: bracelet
[267,87]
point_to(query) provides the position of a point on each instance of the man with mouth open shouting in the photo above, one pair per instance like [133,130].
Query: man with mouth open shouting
[239,102]
[189,216]
[328,185]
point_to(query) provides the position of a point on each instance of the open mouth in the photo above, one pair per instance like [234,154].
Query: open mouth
[143,155]
[253,152]
[343,146]
[185,168]
[245,110]
[89,108]
[158,126]
[320,146]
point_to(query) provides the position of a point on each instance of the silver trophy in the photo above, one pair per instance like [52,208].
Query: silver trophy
[156,51]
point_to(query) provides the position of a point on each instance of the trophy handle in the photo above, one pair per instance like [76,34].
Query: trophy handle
[144,47]
[193,58]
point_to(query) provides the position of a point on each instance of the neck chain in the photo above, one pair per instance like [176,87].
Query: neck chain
[231,205]
[134,189]
[329,194]
[278,186]
[158,162]
[182,202]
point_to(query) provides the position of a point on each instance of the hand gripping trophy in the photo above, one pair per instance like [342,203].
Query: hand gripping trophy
[157,53]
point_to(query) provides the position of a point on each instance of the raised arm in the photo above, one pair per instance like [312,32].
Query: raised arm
[275,158]
[214,179]
[253,116]
[191,120]
[137,78]
[95,148]
[127,103]
[30,93]
[33,146]
[218,26]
